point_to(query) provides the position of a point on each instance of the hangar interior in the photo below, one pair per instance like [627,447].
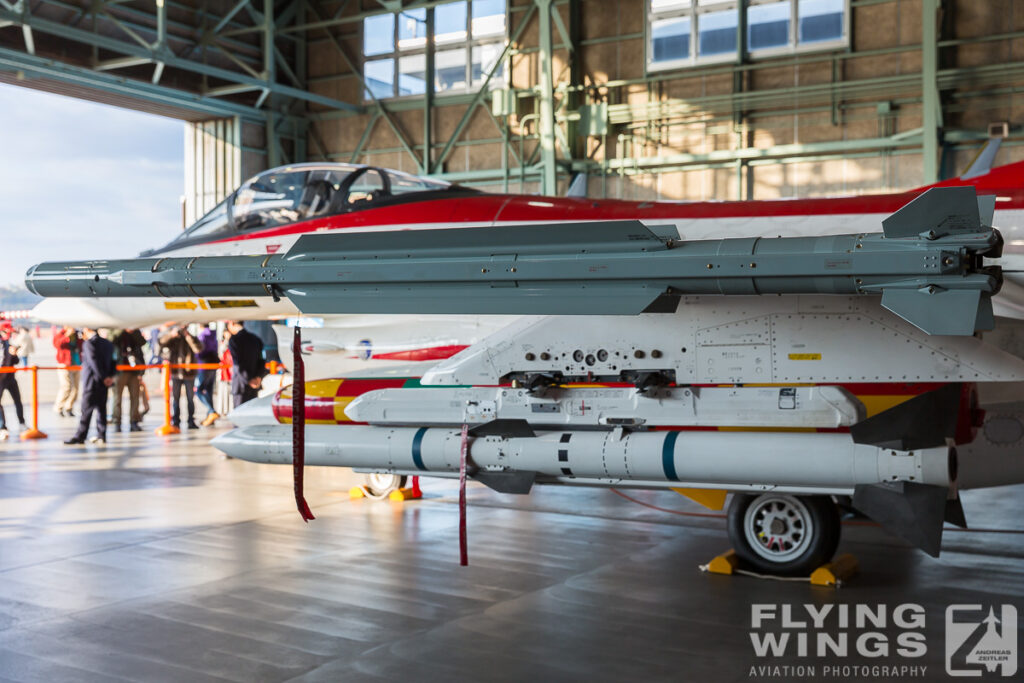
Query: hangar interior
[662,99]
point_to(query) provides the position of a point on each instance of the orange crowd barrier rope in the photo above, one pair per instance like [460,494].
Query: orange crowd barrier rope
[166,429]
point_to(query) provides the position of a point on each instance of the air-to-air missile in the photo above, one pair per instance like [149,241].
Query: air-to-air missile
[927,265]
[856,375]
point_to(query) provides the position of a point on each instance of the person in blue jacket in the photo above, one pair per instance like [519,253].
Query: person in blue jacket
[98,372]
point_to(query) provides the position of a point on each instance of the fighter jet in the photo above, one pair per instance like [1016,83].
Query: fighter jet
[786,370]
[270,211]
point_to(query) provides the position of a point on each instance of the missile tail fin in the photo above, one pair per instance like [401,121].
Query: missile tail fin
[951,312]
[914,512]
[925,421]
[955,512]
[987,208]
[939,211]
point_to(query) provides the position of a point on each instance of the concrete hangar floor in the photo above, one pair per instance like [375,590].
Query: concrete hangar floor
[156,559]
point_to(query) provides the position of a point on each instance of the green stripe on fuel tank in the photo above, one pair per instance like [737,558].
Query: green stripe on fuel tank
[417,443]
[668,456]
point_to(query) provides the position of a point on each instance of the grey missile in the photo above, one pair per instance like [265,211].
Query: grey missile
[927,265]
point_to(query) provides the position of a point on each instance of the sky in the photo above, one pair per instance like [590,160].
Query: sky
[81,180]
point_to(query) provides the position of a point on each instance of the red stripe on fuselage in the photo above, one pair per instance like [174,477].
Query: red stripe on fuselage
[358,387]
[432,353]
[1006,181]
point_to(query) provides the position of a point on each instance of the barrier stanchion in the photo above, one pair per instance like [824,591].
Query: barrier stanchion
[34,432]
[167,428]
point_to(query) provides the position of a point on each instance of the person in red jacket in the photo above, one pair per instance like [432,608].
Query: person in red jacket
[225,358]
[69,353]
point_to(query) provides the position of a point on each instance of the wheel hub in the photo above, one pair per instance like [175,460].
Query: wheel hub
[778,527]
[380,484]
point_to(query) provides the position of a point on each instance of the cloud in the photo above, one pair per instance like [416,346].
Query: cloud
[83,180]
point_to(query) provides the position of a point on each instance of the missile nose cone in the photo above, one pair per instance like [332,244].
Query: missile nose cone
[353,410]
[28,279]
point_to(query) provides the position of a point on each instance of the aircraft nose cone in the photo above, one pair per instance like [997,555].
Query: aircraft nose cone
[76,312]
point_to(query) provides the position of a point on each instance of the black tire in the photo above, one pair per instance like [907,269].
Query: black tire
[806,532]
[380,486]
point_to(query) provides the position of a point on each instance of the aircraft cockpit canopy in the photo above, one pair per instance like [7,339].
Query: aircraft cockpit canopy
[301,192]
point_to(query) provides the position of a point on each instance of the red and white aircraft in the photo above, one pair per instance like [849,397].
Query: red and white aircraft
[268,213]
[731,407]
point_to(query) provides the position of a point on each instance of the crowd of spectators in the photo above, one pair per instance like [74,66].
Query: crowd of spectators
[92,362]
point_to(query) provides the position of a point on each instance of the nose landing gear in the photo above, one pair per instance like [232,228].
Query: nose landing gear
[379,486]
[783,534]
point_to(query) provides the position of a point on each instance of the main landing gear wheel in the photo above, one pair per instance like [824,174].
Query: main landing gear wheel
[379,486]
[783,534]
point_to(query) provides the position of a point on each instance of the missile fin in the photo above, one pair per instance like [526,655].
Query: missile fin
[955,512]
[925,421]
[940,210]
[952,312]
[665,303]
[914,512]
[510,428]
[545,238]
[506,482]
[987,209]
[986,319]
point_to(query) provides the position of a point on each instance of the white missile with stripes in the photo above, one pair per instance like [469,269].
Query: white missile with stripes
[741,461]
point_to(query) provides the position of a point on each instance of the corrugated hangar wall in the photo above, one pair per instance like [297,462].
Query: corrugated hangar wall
[677,134]
[219,155]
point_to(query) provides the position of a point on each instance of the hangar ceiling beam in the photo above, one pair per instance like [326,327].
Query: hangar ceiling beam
[909,138]
[21,7]
[134,49]
[14,60]
[229,16]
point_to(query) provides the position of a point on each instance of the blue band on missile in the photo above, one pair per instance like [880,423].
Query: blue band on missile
[417,443]
[668,456]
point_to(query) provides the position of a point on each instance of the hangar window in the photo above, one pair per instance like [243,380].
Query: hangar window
[682,33]
[468,38]
[686,32]
[781,26]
